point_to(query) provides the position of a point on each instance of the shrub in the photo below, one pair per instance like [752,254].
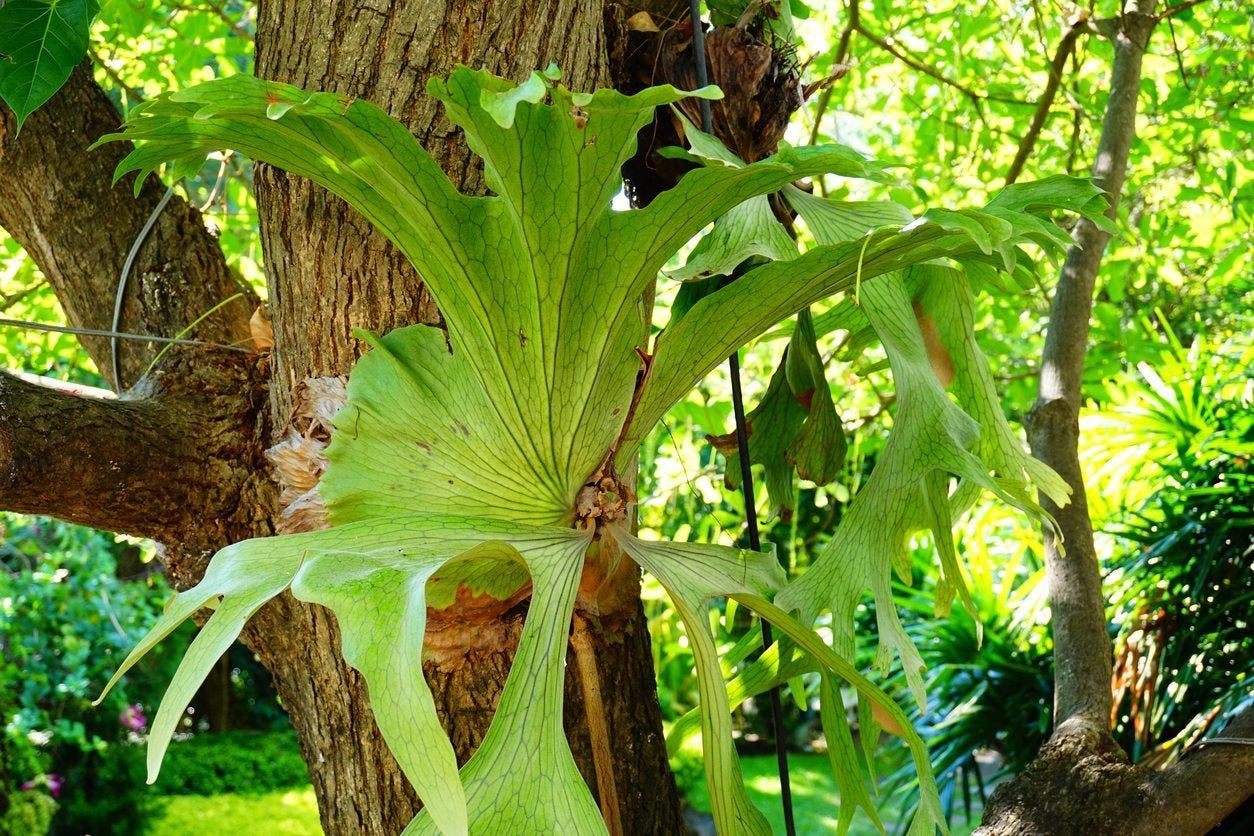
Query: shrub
[1181,580]
[26,813]
[104,792]
[26,808]
[62,604]
[233,762]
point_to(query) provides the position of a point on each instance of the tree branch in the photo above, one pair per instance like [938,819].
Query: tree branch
[1172,11]
[167,464]
[57,202]
[1045,102]
[1203,787]
[903,56]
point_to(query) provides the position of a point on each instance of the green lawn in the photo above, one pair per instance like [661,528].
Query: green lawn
[289,812]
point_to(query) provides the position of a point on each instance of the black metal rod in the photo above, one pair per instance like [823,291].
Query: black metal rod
[746,469]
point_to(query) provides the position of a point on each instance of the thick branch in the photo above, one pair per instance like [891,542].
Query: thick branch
[177,464]
[1082,783]
[1199,791]
[57,202]
[1082,649]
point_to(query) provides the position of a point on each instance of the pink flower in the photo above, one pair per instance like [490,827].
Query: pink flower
[132,717]
[52,781]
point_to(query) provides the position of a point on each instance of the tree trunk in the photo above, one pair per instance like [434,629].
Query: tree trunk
[328,272]
[1081,782]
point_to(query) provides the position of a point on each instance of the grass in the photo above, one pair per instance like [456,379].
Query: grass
[814,797]
[286,813]
[295,812]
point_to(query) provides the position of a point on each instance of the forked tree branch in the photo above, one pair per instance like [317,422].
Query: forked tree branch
[172,460]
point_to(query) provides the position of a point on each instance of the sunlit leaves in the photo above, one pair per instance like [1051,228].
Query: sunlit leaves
[40,43]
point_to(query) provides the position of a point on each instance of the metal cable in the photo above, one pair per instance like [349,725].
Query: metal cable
[114,335]
[126,272]
[742,448]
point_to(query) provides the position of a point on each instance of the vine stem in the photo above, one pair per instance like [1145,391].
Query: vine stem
[746,469]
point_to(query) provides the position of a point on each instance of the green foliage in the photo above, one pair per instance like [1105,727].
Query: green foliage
[234,762]
[1184,250]
[26,813]
[25,808]
[103,792]
[66,618]
[1185,221]
[1182,579]
[812,786]
[795,427]
[40,42]
[539,285]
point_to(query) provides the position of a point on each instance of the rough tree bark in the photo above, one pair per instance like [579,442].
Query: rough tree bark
[56,200]
[1081,781]
[328,272]
[178,459]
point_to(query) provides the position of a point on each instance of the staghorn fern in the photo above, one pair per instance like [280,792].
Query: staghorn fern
[493,457]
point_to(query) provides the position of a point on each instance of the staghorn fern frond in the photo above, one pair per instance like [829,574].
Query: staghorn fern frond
[934,437]
[465,462]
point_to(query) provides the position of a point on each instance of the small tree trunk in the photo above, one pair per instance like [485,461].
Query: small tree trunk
[1081,782]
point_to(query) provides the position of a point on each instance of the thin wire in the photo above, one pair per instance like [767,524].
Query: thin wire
[116,335]
[746,469]
[126,272]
